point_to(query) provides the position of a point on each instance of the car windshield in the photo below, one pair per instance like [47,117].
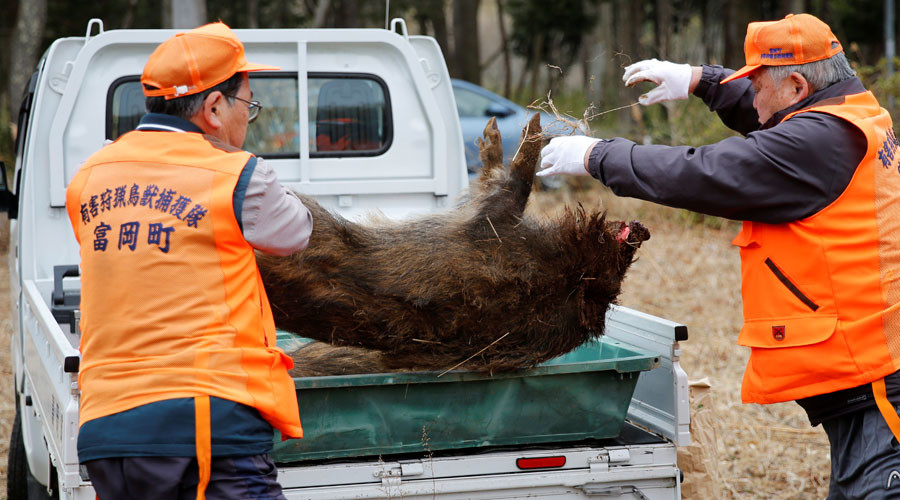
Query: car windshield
[470,103]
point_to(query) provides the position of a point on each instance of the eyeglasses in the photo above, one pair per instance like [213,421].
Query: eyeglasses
[252,106]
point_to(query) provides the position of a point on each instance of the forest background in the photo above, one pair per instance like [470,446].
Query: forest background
[572,50]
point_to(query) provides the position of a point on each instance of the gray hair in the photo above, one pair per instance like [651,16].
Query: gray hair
[188,106]
[819,74]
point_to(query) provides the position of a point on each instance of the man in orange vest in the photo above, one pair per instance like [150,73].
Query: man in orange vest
[181,381]
[816,180]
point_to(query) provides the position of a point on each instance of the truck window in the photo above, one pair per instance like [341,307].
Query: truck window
[276,132]
[349,114]
[125,106]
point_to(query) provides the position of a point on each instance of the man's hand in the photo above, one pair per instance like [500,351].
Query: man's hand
[566,155]
[674,81]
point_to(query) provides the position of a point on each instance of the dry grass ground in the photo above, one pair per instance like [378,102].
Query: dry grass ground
[7,401]
[687,272]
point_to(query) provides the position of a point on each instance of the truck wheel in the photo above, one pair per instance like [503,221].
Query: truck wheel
[20,483]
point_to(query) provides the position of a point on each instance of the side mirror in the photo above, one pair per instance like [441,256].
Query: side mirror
[7,198]
[498,110]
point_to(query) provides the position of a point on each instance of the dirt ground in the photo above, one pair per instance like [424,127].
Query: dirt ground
[688,272]
[7,401]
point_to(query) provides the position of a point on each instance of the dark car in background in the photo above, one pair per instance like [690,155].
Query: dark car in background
[476,105]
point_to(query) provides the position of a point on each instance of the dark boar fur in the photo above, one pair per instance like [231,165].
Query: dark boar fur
[318,359]
[483,285]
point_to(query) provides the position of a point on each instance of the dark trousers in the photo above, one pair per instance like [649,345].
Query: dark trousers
[175,478]
[865,457]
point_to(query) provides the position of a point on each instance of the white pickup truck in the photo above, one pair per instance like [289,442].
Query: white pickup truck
[361,119]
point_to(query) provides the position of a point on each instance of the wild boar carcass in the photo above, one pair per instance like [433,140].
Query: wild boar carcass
[482,283]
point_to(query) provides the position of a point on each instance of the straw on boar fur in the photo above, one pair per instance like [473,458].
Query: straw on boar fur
[481,281]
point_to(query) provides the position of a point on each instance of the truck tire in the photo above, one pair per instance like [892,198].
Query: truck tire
[20,483]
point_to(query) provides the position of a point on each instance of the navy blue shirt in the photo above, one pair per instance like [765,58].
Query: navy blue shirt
[166,429]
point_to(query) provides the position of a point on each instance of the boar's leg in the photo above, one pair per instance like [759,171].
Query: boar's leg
[491,152]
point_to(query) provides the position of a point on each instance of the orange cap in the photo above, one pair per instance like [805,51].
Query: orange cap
[194,61]
[796,39]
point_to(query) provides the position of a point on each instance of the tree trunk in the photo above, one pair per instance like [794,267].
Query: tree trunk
[128,19]
[536,62]
[25,48]
[7,25]
[607,64]
[587,80]
[431,13]
[520,86]
[633,28]
[663,28]
[321,11]
[344,15]
[507,66]
[253,13]
[188,14]
[712,32]
[786,7]
[629,18]
[738,14]
[438,17]
[465,40]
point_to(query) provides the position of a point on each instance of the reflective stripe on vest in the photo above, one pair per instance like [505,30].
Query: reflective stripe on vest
[821,294]
[172,301]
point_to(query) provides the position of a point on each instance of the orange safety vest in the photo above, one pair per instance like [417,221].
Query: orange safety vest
[821,294]
[172,301]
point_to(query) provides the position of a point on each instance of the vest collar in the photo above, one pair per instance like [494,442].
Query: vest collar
[160,122]
[847,87]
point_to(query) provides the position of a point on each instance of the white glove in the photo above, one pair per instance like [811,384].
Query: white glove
[565,155]
[672,80]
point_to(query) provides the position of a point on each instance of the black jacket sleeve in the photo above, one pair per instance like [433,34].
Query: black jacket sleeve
[782,174]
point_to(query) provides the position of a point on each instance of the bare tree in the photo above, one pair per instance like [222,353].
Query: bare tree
[253,13]
[128,18]
[786,7]
[187,14]
[345,14]
[26,42]
[504,40]
[465,40]
[737,15]
[712,31]
[433,12]
[321,11]
[663,28]
[629,19]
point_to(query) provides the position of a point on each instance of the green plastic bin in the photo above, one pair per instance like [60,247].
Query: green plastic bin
[582,395]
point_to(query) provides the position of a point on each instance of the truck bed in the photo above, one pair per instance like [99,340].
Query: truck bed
[609,411]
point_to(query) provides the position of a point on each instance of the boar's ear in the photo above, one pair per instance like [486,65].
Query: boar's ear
[491,150]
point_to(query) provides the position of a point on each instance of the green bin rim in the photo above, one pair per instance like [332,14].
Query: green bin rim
[630,359]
